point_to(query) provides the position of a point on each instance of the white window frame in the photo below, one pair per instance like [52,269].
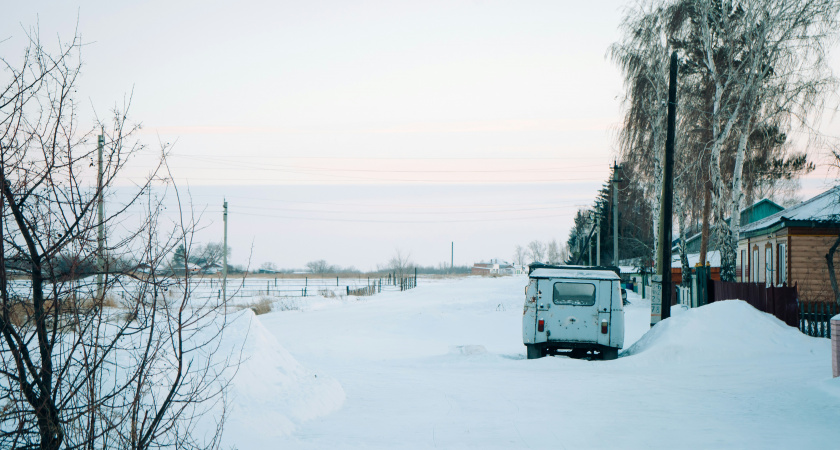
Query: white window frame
[768,265]
[781,276]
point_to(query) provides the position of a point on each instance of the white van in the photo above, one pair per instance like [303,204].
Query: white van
[573,308]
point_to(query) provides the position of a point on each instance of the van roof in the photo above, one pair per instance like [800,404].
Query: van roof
[582,273]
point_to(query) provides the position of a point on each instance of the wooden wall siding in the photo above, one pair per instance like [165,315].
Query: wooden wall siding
[780,237]
[806,259]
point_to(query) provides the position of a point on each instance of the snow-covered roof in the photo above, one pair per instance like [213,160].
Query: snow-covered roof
[713,257]
[822,208]
[575,273]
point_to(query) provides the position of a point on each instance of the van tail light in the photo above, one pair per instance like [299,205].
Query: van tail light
[541,325]
[605,326]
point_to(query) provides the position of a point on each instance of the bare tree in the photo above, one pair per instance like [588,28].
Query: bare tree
[211,254]
[319,266]
[641,56]
[122,363]
[400,263]
[519,255]
[536,251]
[553,252]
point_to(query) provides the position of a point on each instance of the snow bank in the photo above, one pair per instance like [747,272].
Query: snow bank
[272,393]
[724,330]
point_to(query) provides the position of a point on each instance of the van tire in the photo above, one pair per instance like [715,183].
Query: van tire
[609,353]
[534,351]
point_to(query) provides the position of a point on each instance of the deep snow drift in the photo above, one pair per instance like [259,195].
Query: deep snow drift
[443,365]
[722,331]
[271,392]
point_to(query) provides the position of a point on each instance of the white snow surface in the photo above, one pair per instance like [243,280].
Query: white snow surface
[271,392]
[443,365]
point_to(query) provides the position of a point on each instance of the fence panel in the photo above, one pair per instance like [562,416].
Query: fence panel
[815,318]
[782,302]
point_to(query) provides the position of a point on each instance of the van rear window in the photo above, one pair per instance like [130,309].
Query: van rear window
[576,294]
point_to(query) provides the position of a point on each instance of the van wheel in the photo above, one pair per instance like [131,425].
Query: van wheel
[609,353]
[534,351]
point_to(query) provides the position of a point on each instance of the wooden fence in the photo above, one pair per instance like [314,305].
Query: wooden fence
[812,318]
[815,318]
[366,290]
[779,301]
[306,287]
[408,283]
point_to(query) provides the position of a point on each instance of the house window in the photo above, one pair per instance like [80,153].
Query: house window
[768,265]
[781,273]
[754,265]
[743,266]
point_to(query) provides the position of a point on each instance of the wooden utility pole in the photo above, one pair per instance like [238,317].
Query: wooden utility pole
[616,180]
[663,265]
[224,260]
[100,232]
[597,239]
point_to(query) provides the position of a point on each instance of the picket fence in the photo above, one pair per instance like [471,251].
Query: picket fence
[815,318]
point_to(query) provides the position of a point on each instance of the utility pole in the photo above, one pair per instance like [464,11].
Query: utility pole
[589,246]
[100,233]
[598,240]
[663,263]
[224,260]
[615,182]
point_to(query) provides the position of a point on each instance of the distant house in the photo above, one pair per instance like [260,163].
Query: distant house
[790,246]
[212,269]
[493,267]
[757,211]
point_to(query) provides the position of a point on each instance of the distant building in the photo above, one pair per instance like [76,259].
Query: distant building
[789,247]
[756,212]
[212,269]
[493,267]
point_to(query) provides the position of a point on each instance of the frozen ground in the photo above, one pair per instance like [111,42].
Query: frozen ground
[443,366]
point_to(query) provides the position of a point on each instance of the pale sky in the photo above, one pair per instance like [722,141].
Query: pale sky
[345,130]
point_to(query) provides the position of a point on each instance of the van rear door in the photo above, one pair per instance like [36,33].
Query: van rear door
[605,299]
[570,310]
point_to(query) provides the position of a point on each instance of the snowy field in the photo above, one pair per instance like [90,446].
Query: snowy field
[240,290]
[443,365]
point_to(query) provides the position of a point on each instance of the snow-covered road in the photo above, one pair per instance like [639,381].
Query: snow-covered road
[443,366]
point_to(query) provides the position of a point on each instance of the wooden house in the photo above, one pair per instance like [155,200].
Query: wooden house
[494,267]
[790,246]
[753,213]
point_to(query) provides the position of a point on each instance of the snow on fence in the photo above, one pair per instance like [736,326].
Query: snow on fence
[779,301]
[815,318]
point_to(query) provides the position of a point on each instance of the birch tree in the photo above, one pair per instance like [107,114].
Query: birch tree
[746,67]
[640,55]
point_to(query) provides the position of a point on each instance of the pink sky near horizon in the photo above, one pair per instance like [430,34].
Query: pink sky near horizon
[440,104]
